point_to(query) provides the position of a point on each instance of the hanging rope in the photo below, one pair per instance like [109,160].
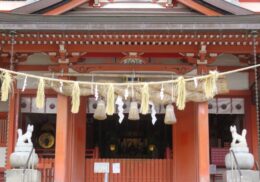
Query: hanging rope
[210,81]
[125,84]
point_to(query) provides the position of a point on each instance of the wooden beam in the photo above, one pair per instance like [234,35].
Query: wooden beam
[219,49]
[176,68]
[200,8]
[32,67]
[145,55]
[229,68]
[157,66]
[65,7]
[70,37]
[235,93]
[33,92]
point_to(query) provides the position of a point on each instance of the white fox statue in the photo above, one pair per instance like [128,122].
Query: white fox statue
[22,138]
[238,140]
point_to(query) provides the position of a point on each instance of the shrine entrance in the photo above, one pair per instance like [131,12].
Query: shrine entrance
[131,139]
[142,150]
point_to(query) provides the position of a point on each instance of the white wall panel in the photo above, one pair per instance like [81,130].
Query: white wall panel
[51,105]
[34,108]
[26,104]
[224,105]
[238,106]
[238,81]
[212,106]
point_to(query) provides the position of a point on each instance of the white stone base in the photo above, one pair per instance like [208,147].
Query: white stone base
[247,176]
[16,175]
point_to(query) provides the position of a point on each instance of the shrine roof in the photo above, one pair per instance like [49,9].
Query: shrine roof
[58,7]
[132,21]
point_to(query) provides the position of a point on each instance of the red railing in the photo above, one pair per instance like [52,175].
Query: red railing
[3,132]
[46,166]
[133,170]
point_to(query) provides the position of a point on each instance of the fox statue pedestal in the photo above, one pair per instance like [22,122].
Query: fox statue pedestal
[243,160]
[23,160]
[21,154]
[20,175]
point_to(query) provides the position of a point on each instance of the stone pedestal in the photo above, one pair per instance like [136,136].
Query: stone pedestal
[19,175]
[20,156]
[244,159]
[247,176]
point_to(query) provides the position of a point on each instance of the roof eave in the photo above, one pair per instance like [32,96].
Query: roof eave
[120,22]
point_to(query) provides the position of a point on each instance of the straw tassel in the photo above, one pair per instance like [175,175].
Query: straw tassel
[40,97]
[110,109]
[210,87]
[181,97]
[6,86]
[100,112]
[75,98]
[145,99]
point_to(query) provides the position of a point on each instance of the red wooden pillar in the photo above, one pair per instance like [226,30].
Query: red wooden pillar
[202,136]
[202,132]
[61,147]
[191,144]
[184,146]
[78,142]
[251,126]
[251,120]
[13,116]
[70,141]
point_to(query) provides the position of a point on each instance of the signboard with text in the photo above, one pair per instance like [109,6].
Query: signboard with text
[101,167]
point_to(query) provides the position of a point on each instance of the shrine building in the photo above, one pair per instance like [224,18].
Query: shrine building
[130,42]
